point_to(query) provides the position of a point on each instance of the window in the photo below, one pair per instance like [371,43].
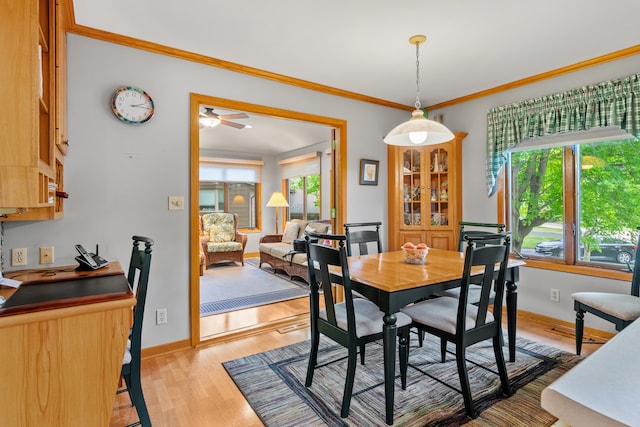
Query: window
[304,197]
[575,202]
[301,178]
[228,185]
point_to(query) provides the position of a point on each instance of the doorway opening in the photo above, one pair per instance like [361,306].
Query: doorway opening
[336,204]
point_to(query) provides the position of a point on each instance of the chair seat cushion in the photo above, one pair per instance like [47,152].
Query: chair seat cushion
[368,317]
[622,306]
[127,353]
[474,294]
[268,248]
[441,313]
[224,247]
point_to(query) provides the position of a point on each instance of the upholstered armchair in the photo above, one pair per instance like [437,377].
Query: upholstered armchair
[220,239]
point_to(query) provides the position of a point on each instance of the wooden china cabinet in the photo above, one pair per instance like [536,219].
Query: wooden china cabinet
[33,140]
[425,194]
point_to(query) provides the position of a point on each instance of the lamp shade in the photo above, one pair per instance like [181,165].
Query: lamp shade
[277,200]
[418,131]
[210,122]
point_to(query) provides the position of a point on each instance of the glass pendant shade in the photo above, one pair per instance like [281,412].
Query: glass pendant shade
[418,131]
[210,122]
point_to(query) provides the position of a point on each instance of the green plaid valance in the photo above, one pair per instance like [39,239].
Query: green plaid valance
[608,103]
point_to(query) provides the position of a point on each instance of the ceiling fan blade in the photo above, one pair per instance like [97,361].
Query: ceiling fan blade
[232,124]
[233,116]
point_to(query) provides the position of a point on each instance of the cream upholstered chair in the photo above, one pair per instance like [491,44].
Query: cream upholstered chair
[619,309]
[220,239]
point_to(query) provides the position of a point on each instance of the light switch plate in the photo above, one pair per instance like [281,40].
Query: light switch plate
[176,203]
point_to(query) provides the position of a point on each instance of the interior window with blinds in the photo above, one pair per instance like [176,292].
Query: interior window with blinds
[229,185]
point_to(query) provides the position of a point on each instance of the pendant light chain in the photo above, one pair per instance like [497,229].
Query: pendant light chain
[417,76]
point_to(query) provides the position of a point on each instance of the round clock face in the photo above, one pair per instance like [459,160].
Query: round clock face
[132,105]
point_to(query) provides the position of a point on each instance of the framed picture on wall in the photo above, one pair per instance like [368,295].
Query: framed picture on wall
[369,172]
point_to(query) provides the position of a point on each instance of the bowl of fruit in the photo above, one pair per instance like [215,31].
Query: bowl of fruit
[415,254]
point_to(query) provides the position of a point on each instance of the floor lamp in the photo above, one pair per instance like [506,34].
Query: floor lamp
[277,201]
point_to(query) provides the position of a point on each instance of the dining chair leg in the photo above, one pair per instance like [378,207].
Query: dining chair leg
[579,330]
[348,385]
[502,367]
[464,380]
[313,357]
[362,354]
[127,381]
[443,350]
[135,387]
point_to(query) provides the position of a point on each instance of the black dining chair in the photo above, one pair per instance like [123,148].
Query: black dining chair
[138,277]
[619,309]
[464,324]
[475,229]
[362,234]
[351,323]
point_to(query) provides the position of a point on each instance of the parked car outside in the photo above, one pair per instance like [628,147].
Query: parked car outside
[611,249]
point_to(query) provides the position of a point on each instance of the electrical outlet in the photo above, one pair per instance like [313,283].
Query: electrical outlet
[161,316]
[46,255]
[18,257]
[555,295]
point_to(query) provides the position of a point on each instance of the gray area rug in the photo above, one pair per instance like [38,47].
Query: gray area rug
[229,287]
[273,384]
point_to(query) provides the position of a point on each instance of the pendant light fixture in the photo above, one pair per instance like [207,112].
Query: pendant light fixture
[418,130]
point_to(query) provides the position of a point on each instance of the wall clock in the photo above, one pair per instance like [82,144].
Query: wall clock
[132,105]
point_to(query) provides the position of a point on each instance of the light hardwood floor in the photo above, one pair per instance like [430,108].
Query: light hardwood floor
[191,388]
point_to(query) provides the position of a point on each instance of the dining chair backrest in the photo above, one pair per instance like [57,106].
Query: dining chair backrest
[481,254]
[320,259]
[138,278]
[480,229]
[361,234]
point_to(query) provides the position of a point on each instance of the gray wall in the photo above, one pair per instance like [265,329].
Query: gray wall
[535,284]
[120,176]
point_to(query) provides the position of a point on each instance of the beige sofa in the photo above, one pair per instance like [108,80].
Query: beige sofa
[277,249]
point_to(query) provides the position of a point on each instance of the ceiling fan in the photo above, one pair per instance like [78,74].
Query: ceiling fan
[210,119]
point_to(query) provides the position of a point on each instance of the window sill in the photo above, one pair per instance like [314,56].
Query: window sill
[250,230]
[580,269]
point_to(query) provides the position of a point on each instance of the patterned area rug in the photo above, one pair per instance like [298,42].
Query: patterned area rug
[273,383]
[229,287]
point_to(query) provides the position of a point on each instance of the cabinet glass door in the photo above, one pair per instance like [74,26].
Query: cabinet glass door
[439,187]
[413,187]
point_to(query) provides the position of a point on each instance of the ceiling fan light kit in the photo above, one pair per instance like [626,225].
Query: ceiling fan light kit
[418,130]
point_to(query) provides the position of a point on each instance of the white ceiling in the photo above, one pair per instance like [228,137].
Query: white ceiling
[362,45]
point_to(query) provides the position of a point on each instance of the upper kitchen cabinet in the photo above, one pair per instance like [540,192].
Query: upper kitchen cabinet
[425,194]
[32,117]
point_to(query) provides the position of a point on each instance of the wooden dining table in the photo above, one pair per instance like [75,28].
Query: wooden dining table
[389,282]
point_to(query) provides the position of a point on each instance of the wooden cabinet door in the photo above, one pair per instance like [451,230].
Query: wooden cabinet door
[425,194]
